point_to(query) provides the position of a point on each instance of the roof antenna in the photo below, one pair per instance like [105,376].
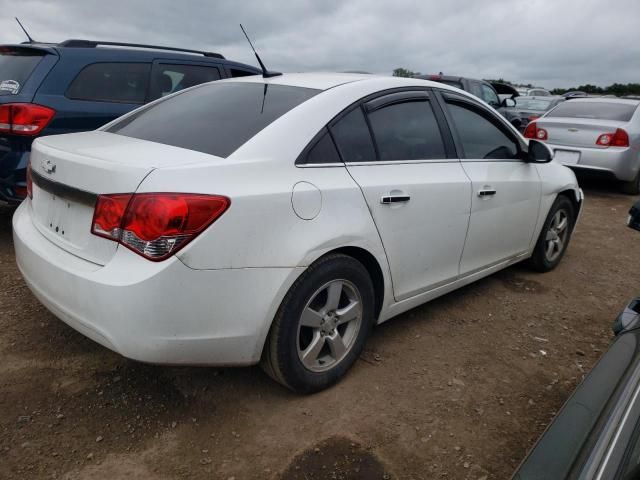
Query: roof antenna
[265,73]
[31,40]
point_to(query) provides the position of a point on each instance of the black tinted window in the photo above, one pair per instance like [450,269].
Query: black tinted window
[353,138]
[407,131]
[621,112]
[111,82]
[167,79]
[324,151]
[216,118]
[480,137]
[16,66]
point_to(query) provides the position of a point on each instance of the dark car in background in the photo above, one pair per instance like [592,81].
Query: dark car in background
[487,91]
[78,85]
[596,434]
[523,109]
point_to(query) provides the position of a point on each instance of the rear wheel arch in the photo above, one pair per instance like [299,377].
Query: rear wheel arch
[373,267]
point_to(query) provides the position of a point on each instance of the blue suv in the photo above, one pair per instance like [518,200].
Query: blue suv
[77,85]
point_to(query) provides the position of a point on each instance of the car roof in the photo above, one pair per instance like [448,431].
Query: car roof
[102,50]
[326,80]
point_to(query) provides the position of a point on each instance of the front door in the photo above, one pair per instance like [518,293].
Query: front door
[506,190]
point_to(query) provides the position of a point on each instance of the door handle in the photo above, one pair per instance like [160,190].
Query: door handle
[486,193]
[389,199]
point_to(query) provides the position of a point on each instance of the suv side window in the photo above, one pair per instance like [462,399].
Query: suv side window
[407,131]
[489,96]
[111,82]
[167,79]
[480,137]
[352,137]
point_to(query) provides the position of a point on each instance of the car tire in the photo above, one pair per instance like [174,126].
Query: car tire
[321,326]
[632,187]
[554,236]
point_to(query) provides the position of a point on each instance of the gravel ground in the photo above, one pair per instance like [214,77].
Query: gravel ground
[459,388]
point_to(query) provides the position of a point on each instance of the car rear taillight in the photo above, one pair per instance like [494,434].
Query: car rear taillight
[24,118]
[29,181]
[619,138]
[156,225]
[532,131]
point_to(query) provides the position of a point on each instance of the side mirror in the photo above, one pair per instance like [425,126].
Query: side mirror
[508,102]
[628,319]
[634,216]
[539,152]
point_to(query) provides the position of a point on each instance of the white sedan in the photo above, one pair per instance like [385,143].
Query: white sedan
[278,220]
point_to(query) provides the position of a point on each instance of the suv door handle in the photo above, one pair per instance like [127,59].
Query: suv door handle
[389,199]
[486,193]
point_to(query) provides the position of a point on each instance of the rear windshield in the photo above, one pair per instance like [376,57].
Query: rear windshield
[533,103]
[215,118]
[451,83]
[621,112]
[16,64]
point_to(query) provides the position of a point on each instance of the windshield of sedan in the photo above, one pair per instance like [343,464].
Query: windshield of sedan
[215,118]
[621,112]
[537,104]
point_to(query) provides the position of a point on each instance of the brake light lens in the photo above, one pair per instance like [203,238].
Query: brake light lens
[24,118]
[532,131]
[156,225]
[620,138]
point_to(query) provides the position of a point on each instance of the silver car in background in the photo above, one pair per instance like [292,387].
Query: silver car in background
[596,135]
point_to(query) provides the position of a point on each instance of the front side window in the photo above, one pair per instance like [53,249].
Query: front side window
[407,131]
[111,82]
[480,137]
[215,118]
[167,79]
[353,138]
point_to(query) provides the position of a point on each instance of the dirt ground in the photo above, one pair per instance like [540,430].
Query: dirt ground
[459,388]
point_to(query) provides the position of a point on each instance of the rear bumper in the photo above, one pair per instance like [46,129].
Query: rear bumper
[155,312]
[623,164]
[14,156]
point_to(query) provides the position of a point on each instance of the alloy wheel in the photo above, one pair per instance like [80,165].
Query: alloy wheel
[556,236]
[329,325]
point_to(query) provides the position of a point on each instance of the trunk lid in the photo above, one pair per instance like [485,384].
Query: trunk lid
[576,132]
[70,171]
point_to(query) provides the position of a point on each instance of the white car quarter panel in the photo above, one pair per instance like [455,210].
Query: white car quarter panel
[261,228]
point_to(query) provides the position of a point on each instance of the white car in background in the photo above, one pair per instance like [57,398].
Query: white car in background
[277,220]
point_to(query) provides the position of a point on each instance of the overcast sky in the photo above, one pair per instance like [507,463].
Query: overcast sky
[549,43]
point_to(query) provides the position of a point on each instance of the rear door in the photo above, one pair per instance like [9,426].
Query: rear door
[415,188]
[506,190]
[169,76]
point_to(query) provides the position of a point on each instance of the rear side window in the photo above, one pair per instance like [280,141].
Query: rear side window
[111,82]
[407,131]
[324,151]
[167,79]
[353,139]
[16,66]
[480,138]
[621,112]
[215,118]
